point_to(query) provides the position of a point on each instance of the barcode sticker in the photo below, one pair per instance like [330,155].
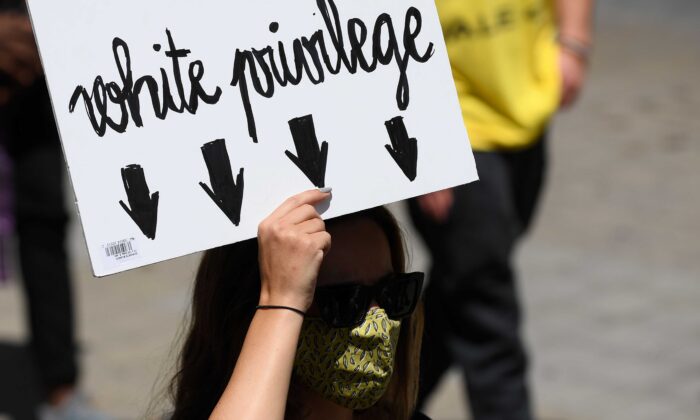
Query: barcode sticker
[120,252]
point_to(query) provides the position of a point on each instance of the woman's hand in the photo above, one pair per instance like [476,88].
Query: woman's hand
[292,242]
[437,205]
[573,72]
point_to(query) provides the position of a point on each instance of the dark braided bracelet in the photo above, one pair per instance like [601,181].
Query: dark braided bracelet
[300,312]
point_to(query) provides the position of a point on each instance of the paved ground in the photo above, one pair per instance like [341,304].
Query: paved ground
[610,275]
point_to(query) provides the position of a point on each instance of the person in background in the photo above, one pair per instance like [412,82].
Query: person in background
[515,62]
[29,136]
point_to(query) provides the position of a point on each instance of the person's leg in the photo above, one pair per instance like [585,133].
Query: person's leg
[486,333]
[472,314]
[477,293]
[528,170]
[41,229]
[435,357]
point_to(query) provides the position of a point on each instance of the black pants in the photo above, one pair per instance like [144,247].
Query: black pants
[472,310]
[34,148]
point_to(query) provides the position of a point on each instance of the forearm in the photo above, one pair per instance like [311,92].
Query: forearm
[574,19]
[259,384]
[292,242]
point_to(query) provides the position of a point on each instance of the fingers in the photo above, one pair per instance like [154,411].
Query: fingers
[307,197]
[434,209]
[293,242]
[312,226]
[429,204]
[301,214]
[439,211]
[424,204]
[445,205]
[573,71]
[322,241]
[296,210]
[569,95]
[437,205]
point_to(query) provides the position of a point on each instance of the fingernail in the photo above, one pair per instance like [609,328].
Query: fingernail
[325,190]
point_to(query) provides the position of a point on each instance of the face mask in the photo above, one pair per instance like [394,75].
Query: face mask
[349,366]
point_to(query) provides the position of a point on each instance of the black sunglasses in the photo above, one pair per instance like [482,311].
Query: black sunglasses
[345,305]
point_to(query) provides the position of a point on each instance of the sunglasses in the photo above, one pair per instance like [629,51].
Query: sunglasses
[345,305]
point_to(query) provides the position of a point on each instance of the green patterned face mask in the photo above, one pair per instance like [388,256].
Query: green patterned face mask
[349,366]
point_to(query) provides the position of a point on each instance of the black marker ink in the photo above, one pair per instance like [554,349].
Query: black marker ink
[357,41]
[127,98]
[311,56]
[227,194]
[311,158]
[260,68]
[403,149]
[336,33]
[239,66]
[144,205]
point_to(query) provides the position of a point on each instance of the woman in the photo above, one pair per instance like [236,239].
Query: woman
[265,343]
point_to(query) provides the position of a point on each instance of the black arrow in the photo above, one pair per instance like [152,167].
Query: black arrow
[144,205]
[403,149]
[228,195]
[311,158]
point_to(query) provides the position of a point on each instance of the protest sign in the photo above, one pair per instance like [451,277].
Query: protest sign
[185,123]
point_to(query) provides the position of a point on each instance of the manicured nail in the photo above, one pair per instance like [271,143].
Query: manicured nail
[325,190]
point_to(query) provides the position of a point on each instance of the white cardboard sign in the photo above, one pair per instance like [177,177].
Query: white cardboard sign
[184,123]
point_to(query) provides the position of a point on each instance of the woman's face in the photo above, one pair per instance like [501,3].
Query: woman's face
[350,366]
[360,253]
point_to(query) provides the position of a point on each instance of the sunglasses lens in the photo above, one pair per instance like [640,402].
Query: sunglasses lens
[342,306]
[400,295]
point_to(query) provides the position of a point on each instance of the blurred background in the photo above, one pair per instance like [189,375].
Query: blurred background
[610,274]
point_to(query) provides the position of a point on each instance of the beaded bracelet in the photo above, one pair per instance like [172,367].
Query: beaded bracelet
[581,49]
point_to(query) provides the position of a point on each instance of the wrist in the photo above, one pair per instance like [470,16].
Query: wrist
[281,318]
[280,308]
[577,46]
[295,302]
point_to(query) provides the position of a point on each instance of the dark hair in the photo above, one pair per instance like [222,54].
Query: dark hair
[226,291]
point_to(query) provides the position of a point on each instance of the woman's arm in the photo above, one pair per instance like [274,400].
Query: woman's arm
[574,21]
[260,382]
[293,241]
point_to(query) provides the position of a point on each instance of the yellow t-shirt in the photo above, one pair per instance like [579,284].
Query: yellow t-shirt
[504,62]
